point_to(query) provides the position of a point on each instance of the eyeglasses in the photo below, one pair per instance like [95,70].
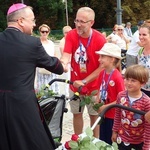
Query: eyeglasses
[44,31]
[81,21]
[120,29]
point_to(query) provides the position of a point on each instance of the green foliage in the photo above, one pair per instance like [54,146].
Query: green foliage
[55,37]
[74,145]
[53,12]
[44,93]
[133,13]
[97,106]
[87,99]
[86,141]
[114,144]
[2,22]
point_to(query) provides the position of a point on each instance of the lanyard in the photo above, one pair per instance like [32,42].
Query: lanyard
[88,43]
[105,85]
[82,53]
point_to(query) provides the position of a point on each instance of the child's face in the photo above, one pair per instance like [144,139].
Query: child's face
[132,85]
[105,61]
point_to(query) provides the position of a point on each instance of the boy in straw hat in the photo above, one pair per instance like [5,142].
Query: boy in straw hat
[110,84]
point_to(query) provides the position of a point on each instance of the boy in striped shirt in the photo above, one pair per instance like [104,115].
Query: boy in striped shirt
[131,130]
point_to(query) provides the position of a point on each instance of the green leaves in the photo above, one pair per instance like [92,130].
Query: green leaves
[89,132]
[87,99]
[97,106]
[86,141]
[73,145]
[44,93]
[94,92]
[115,146]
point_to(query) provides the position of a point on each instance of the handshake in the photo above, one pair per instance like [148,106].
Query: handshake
[65,66]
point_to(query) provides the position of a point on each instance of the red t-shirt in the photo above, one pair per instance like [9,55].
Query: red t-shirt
[115,85]
[73,41]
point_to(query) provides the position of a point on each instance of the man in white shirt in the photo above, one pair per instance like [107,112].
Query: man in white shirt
[134,47]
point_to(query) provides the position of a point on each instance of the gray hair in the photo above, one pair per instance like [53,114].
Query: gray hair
[89,11]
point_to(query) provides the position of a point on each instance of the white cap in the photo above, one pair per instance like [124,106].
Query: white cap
[110,49]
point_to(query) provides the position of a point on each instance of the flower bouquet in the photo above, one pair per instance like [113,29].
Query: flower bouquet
[86,141]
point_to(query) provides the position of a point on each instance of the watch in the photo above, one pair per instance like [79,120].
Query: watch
[84,81]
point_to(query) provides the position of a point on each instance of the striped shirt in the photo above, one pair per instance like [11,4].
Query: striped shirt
[132,128]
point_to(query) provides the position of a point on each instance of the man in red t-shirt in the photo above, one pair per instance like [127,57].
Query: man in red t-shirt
[81,44]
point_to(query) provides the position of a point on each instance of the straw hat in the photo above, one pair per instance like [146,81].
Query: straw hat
[110,49]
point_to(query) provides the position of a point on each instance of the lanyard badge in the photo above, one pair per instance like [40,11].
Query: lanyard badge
[82,59]
[104,86]
[81,54]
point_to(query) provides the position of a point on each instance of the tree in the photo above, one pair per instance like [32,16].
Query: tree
[52,12]
[133,13]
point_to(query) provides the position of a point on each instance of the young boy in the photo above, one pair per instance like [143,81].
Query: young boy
[131,130]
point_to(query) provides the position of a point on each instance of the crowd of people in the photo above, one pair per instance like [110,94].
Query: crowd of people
[92,60]
[128,87]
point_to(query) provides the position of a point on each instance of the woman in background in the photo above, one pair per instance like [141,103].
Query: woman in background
[44,76]
[144,53]
[110,36]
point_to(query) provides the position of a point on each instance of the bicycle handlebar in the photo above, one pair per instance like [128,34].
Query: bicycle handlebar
[58,80]
[123,107]
[101,115]
[76,94]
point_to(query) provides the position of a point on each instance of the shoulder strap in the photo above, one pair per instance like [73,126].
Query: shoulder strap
[140,51]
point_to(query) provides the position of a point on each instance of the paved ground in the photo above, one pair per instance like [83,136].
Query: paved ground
[68,127]
[67,119]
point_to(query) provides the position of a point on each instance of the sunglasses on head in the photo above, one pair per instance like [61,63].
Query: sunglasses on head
[44,31]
